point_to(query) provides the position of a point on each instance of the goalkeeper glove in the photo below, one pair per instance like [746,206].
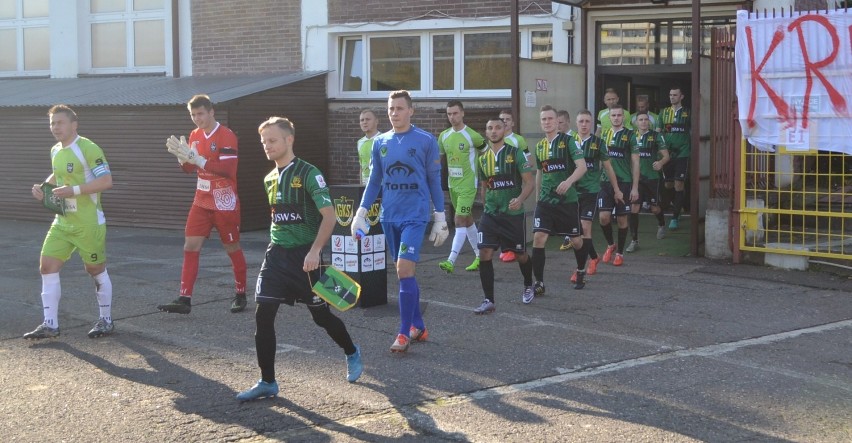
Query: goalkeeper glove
[185,153]
[440,232]
[360,227]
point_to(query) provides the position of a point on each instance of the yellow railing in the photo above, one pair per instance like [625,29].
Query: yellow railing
[797,203]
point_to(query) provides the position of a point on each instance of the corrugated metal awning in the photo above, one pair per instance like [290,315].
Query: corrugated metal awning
[138,91]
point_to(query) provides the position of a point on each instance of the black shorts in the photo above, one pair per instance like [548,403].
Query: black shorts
[606,198]
[588,205]
[282,280]
[677,169]
[562,220]
[503,232]
[649,190]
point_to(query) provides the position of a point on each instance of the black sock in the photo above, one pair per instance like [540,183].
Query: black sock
[677,204]
[581,254]
[622,238]
[607,231]
[526,271]
[661,219]
[264,339]
[634,226]
[486,276]
[589,244]
[538,263]
[333,326]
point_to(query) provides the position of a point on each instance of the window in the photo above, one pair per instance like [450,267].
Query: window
[24,37]
[660,42]
[127,36]
[439,63]
[394,63]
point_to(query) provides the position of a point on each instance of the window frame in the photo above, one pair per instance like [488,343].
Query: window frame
[19,24]
[426,62]
[129,17]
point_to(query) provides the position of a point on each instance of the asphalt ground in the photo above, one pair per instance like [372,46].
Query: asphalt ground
[665,348]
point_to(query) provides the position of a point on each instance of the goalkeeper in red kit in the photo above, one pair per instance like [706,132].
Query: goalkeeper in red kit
[211,153]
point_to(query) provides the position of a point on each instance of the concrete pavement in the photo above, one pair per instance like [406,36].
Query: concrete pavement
[665,348]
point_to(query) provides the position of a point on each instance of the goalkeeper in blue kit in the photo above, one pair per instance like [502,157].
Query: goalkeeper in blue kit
[407,171]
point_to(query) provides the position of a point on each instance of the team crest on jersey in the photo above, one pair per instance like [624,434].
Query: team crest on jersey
[510,158]
[684,114]
[412,152]
[624,138]
[344,210]
[383,150]
[561,145]
[69,167]
[212,147]
[593,147]
[461,146]
[296,182]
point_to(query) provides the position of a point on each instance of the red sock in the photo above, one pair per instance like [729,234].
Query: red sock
[189,272]
[238,260]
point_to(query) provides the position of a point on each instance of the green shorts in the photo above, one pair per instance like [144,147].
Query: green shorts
[88,241]
[462,200]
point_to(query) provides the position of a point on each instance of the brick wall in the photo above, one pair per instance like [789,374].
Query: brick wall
[358,11]
[246,37]
[344,129]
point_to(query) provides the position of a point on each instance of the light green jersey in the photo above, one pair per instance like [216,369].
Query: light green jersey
[461,148]
[365,155]
[69,170]
[605,123]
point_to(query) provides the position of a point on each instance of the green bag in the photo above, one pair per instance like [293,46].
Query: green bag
[51,202]
[337,289]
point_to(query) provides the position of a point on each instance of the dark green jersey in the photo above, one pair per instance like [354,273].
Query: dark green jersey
[555,159]
[296,193]
[676,125]
[500,173]
[595,153]
[619,150]
[649,145]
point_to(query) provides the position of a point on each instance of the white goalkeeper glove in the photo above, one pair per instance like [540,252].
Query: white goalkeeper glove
[185,153]
[360,227]
[440,232]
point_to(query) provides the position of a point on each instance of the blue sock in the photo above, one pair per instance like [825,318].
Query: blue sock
[417,319]
[408,304]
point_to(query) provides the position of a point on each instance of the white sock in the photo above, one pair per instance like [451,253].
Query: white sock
[103,289]
[458,242]
[473,238]
[51,292]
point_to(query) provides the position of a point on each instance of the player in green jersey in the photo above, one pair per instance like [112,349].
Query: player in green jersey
[643,105]
[563,125]
[507,180]
[676,125]
[369,125]
[596,155]
[80,173]
[617,199]
[653,155]
[518,141]
[459,145]
[561,165]
[302,222]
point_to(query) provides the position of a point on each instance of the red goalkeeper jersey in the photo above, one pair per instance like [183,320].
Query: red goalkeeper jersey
[217,183]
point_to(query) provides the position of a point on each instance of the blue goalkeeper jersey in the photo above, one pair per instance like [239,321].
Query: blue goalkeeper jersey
[407,170]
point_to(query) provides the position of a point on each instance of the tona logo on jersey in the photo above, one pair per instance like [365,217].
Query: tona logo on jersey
[296,182]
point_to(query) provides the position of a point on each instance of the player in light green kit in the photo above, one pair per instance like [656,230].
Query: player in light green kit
[80,174]
[460,145]
[369,125]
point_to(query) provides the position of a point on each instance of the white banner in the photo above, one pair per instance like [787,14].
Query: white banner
[794,80]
